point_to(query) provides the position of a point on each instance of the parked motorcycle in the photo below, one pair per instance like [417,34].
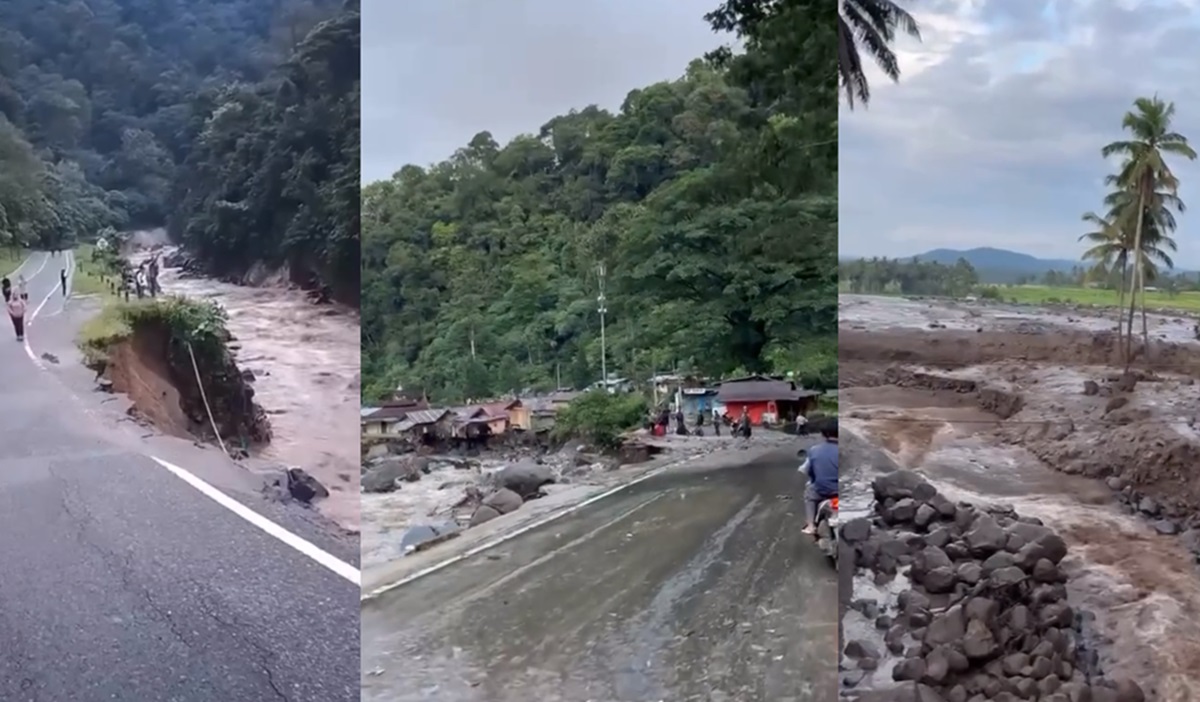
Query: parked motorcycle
[827,530]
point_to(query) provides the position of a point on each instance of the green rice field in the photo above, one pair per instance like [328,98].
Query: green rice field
[1042,294]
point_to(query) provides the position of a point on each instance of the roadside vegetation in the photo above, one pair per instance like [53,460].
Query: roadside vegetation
[599,418]
[200,323]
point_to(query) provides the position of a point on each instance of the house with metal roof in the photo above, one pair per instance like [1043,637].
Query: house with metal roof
[766,399]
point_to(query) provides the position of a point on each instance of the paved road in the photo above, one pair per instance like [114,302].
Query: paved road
[693,585]
[119,581]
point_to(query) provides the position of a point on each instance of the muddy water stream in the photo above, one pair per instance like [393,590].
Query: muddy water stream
[306,361]
[1142,588]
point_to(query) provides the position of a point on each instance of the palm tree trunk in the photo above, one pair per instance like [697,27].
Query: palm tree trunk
[1145,331]
[1137,267]
[1121,298]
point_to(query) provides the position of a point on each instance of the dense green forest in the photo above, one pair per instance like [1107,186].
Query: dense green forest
[116,113]
[709,203]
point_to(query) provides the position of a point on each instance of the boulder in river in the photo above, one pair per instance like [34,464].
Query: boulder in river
[525,478]
[303,486]
[385,475]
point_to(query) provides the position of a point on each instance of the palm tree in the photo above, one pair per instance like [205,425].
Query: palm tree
[872,25]
[1110,248]
[1146,174]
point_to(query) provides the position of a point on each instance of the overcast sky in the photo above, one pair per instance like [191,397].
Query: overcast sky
[992,136]
[436,72]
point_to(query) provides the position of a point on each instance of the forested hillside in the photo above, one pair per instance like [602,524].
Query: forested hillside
[108,110]
[709,200]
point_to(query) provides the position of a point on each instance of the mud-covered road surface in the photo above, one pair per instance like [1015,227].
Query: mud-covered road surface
[693,585]
[1031,408]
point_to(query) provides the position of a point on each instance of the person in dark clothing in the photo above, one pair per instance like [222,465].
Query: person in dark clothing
[62,278]
[821,468]
[6,288]
[744,423]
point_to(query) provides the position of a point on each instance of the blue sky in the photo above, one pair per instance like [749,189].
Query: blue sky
[992,136]
[436,72]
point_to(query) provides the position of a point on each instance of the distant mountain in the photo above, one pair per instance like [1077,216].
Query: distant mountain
[989,259]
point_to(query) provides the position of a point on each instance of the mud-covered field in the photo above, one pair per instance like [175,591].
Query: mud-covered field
[1031,409]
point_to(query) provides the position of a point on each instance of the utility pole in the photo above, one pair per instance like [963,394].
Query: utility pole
[603,310]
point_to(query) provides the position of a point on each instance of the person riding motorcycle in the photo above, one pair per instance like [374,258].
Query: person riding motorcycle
[821,467]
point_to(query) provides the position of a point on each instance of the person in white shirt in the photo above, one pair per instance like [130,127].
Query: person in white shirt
[22,287]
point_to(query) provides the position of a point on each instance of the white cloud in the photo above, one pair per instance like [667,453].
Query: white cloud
[436,72]
[992,136]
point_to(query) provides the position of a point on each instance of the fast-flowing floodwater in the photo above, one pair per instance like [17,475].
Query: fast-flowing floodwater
[305,358]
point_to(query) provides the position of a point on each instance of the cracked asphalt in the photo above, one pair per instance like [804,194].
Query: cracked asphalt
[695,585]
[118,581]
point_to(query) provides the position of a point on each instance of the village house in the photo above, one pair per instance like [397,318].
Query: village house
[543,409]
[425,426]
[382,420]
[766,399]
[698,401]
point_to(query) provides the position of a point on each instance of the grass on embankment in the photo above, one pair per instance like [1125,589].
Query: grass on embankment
[11,257]
[200,323]
[1095,297]
[91,277]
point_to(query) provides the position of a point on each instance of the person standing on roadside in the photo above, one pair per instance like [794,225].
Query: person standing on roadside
[22,287]
[62,277]
[16,311]
[6,288]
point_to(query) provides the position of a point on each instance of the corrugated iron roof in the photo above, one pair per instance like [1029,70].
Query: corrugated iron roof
[428,416]
[756,390]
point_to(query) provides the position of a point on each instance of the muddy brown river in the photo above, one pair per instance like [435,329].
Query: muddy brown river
[1142,587]
[305,359]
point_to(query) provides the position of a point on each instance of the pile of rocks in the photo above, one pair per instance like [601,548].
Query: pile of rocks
[986,617]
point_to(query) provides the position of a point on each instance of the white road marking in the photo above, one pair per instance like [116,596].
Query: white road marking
[70,278]
[46,299]
[554,516]
[324,558]
[45,260]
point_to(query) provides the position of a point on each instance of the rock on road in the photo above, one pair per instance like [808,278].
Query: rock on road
[695,584]
[119,581]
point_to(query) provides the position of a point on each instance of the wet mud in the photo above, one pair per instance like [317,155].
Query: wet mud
[1032,410]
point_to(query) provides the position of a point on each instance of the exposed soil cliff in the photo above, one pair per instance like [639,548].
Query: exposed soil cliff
[154,369]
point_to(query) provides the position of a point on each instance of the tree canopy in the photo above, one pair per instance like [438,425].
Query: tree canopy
[109,110]
[704,211]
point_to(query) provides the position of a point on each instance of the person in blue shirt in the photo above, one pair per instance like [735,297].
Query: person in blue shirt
[821,467]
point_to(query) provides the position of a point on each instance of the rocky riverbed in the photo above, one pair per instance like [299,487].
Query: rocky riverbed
[969,604]
[412,501]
